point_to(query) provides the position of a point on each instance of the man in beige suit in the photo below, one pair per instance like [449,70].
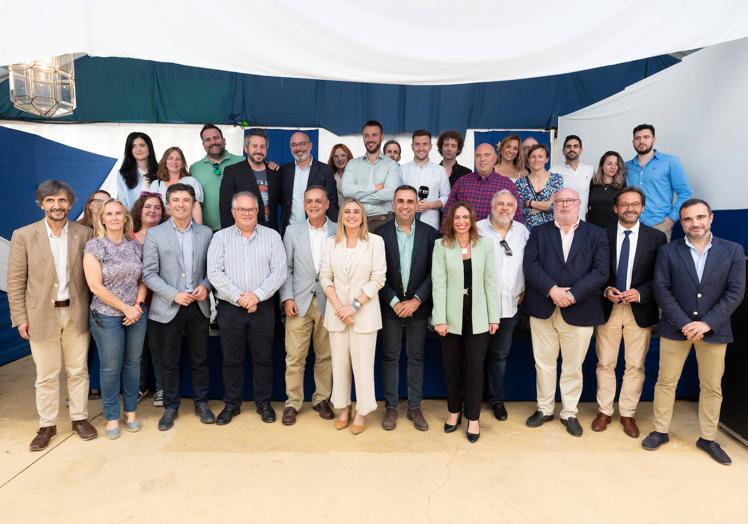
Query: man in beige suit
[49,301]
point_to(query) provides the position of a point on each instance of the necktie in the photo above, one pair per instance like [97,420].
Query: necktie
[623,263]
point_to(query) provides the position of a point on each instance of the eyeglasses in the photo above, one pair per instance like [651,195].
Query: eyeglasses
[626,205]
[98,200]
[216,169]
[507,249]
[566,201]
[246,210]
[298,144]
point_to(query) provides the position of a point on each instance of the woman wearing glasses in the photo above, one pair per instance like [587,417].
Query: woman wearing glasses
[537,188]
[466,312]
[340,155]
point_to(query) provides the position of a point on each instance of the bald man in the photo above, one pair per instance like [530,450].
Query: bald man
[566,266]
[301,174]
[479,187]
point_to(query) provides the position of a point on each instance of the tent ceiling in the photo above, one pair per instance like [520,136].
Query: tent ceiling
[382,41]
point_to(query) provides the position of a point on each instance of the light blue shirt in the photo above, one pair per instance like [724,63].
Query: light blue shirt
[405,249]
[699,260]
[361,176]
[127,195]
[660,179]
[185,241]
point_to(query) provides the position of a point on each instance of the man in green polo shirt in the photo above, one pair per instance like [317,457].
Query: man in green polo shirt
[209,172]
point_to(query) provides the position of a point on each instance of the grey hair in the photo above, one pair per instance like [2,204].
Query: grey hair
[502,192]
[244,194]
[256,131]
[53,187]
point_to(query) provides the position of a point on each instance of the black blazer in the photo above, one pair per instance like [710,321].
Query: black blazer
[239,177]
[319,175]
[684,299]
[585,272]
[419,282]
[650,241]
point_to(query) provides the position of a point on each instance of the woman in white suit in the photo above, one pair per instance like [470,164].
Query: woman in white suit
[352,272]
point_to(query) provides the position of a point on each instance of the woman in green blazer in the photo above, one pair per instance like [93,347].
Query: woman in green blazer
[466,312]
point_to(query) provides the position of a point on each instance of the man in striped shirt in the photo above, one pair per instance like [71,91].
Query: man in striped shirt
[246,265]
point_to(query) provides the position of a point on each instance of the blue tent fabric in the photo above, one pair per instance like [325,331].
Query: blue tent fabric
[155,92]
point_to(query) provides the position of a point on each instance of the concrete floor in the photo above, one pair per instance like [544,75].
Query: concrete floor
[254,472]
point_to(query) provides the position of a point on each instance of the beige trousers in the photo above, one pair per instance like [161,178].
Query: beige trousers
[607,345]
[48,355]
[548,336]
[353,350]
[711,362]
[300,331]
[662,227]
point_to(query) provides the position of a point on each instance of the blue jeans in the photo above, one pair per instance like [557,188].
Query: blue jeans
[120,348]
[496,357]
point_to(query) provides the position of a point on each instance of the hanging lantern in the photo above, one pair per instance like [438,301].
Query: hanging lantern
[44,87]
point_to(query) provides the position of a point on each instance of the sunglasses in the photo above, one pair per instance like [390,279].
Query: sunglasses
[507,249]
[216,169]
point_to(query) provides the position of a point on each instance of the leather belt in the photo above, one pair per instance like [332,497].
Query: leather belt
[62,303]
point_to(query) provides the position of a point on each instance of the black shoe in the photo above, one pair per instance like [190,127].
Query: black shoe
[449,428]
[537,419]
[203,411]
[266,411]
[499,411]
[573,427]
[94,394]
[654,440]
[226,414]
[714,451]
[167,420]
[473,437]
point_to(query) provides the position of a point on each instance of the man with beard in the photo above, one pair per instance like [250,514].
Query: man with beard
[393,150]
[630,310]
[660,176]
[575,174]
[372,178]
[255,176]
[300,175]
[509,239]
[450,144]
[209,172]
[422,173]
[699,282]
[49,299]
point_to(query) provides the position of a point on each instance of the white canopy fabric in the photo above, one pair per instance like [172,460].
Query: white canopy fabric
[380,41]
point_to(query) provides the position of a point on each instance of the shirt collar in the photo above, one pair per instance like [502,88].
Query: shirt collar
[708,246]
[634,229]
[635,160]
[226,156]
[309,165]
[323,227]
[412,227]
[490,224]
[188,228]
[50,234]
[573,227]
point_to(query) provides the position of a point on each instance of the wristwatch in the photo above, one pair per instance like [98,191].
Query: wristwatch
[356,304]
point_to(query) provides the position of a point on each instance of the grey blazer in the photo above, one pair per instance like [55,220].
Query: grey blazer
[302,278]
[163,272]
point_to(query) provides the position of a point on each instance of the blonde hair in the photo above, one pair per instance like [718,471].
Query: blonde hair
[100,228]
[363,232]
[519,160]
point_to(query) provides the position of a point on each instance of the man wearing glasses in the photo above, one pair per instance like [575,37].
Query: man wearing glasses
[209,172]
[566,266]
[246,265]
[509,238]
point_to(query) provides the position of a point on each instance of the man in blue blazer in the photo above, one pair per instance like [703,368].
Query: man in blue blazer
[699,282]
[406,304]
[566,267]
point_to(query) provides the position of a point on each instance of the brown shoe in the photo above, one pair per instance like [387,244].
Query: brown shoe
[342,424]
[289,416]
[85,430]
[42,438]
[357,428]
[418,421]
[324,409]
[630,427]
[390,419]
[601,422]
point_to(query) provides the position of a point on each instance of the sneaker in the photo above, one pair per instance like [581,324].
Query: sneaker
[158,398]
[142,394]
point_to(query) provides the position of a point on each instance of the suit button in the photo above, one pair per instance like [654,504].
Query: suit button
[698,295]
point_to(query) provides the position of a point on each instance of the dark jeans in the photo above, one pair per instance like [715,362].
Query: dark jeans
[191,323]
[151,359]
[392,340]
[496,357]
[238,329]
[462,357]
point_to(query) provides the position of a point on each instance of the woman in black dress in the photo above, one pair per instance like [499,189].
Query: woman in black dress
[609,178]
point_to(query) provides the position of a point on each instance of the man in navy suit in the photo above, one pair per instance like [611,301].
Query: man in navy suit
[699,282]
[301,174]
[406,303]
[566,267]
[630,310]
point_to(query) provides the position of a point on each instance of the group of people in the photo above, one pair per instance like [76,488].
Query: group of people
[339,248]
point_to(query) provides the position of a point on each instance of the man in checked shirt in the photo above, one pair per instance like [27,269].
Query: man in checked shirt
[479,187]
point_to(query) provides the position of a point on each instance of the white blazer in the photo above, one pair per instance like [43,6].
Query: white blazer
[367,273]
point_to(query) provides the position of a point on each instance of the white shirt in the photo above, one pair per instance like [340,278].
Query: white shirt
[579,181]
[300,181]
[510,278]
[567,238]
[435,178]
[633,240]
[317,240]
[59,247]
[159,186]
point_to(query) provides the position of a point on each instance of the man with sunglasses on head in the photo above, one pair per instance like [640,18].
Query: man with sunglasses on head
[209,172]
[509,238]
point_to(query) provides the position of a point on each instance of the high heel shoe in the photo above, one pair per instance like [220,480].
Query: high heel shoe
[342,424]
[358,428]
[449,428]
[473,437]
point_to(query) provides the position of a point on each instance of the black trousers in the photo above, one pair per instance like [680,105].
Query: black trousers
[462,359]
[238,329]
[191,323]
